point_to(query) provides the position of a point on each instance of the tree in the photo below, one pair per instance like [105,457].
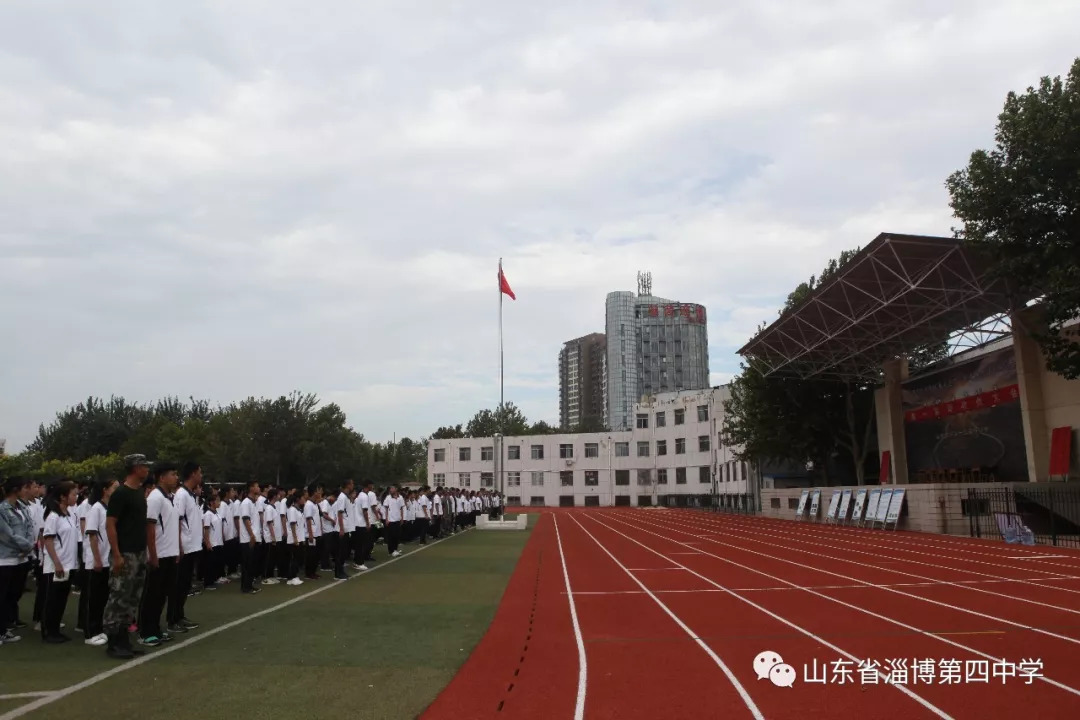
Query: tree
[1020,205]
[448,433]
[507,419]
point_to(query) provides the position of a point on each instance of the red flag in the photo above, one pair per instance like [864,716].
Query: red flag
[504,286]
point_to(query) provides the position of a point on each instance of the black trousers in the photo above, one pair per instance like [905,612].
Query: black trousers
[56,597]
[94,595]
[261,550]
[84,601]
[337,551]
[232,556]
[269,560]
[311,557]
[247,566]
[421,530]
[15,593]
[213,564]
[160,584]
[8,575]
[358,545]
[393,536]
[185,573]
[297,556]
[39,593]
[367,544]
[326,551]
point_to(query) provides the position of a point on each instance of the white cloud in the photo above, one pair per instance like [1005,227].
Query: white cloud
[226,200]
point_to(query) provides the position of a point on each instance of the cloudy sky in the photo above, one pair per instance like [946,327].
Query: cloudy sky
[224,199]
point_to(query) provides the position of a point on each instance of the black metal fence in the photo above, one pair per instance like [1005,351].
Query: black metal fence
[1050,511]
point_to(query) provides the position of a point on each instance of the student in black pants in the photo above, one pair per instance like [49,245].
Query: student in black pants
[96,559]
[248,527]
[60,537]
[162,549]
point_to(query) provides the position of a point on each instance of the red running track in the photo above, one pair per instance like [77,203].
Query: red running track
[673,606]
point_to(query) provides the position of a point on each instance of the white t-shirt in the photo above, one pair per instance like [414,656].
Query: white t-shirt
[495,501]
[216,524]
[328,526]
[190,518]
[260,507]
[247,511]
[311,512]
[95,525]
[227,511]
[283,512]
[79,513]
[462,504]
[65,539]
[373,500]
[436,506]
[410,511]
[350,514]
[362,503]
[423,508]
[271,531]
[160,511]
[296,518]
[338,509]
[395,508]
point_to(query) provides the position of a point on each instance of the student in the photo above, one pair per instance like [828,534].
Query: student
[125,528]
[60,538]
[350,520]
[248,532]
[214,526]
[329,530]
[297,535]
[408,518]
[230,532]
[314,525]
[96,556]
[16,543]
[162,551]
[27,498]
[338,511]
[270,537]
[379,519]
[365,518]
[423,516]
[189,517]
[436,513]
[284,555]
[394,508]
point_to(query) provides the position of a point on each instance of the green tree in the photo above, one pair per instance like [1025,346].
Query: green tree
[1020,204]
[507,419]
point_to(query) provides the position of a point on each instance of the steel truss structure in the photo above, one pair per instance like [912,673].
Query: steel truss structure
[899,293]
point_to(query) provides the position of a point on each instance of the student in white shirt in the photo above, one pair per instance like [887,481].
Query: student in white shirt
[162,550]
[394,509]
[361,515]
[261,548]
[96,556]
[284,555]
[338,510]
[436,513]
[272,540]
[297,534]
[230,532]
[329,530]
[369,510]
[189,517]
[249,532]
[60,543]
[350,523]
[380,520]
[213,525]
[78,578]
[314,525]
[423,516]
[408,516]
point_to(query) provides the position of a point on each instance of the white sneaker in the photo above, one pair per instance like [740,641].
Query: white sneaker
[295,581]
[270,581]
[98,640]
[395,553]
[360,567]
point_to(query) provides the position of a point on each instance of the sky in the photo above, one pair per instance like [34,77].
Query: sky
[233,199]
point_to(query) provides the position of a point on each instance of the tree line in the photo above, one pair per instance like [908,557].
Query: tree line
[1019,206]
[287,441]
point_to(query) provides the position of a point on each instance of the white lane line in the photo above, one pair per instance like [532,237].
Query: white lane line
[701,643]
[20,696]
[871,613]
[582,680]
[130,664]
[914,696]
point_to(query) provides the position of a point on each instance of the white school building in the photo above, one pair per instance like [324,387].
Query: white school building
[673,456]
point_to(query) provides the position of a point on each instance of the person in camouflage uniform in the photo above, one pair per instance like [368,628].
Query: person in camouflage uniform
[126,528]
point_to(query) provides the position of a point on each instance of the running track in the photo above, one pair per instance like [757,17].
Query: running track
[669,608]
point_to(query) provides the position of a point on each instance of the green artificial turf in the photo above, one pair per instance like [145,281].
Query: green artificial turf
[380,645]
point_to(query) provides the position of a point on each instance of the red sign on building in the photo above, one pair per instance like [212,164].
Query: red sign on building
[990,399]
[669,311]
[654,311]
[700,314]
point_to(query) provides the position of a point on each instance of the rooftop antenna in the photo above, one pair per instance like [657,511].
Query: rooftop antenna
[644,283]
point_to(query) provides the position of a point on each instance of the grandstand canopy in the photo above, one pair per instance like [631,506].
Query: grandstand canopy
[897,294]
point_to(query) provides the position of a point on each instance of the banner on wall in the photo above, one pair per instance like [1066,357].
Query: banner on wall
[834,505]
[895,506]
[815,497]
[802,504]
[860,503]
[872,505]
[883,506]
[845,501]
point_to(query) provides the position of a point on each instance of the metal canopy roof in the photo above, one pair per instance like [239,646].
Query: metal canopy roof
[897,294]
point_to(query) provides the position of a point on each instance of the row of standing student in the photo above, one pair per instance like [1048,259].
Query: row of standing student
[269,533]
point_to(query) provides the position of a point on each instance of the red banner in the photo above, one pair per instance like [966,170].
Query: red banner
[1060,451]
[992,398]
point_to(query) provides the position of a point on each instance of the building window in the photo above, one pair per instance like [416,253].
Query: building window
[566,478]
[661,419]
[703,443]
[592,501]
[487,454]
[513,501]
[440,455]
[643,448]
[661,447]
[487,480]
[464,479]
[537,452]
[642,421]
[704,476]
[622,449]
[592,478]
[702,413]
[680,416]
[513,479]
[661,476]
[680,476]
[622,477]
[566,451]
[439,479]
[513,452]
[592,450]
[536,501]
[464,454]
[644,477]
[538,479]
[680,446]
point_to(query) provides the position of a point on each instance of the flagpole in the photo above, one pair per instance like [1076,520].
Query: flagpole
[499,479]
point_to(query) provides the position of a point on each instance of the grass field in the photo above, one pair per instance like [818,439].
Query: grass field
[381,645]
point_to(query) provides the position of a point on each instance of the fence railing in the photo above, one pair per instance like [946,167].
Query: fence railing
[1050,511]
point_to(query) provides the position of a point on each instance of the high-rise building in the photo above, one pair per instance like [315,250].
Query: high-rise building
[582,399]
[654,345]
